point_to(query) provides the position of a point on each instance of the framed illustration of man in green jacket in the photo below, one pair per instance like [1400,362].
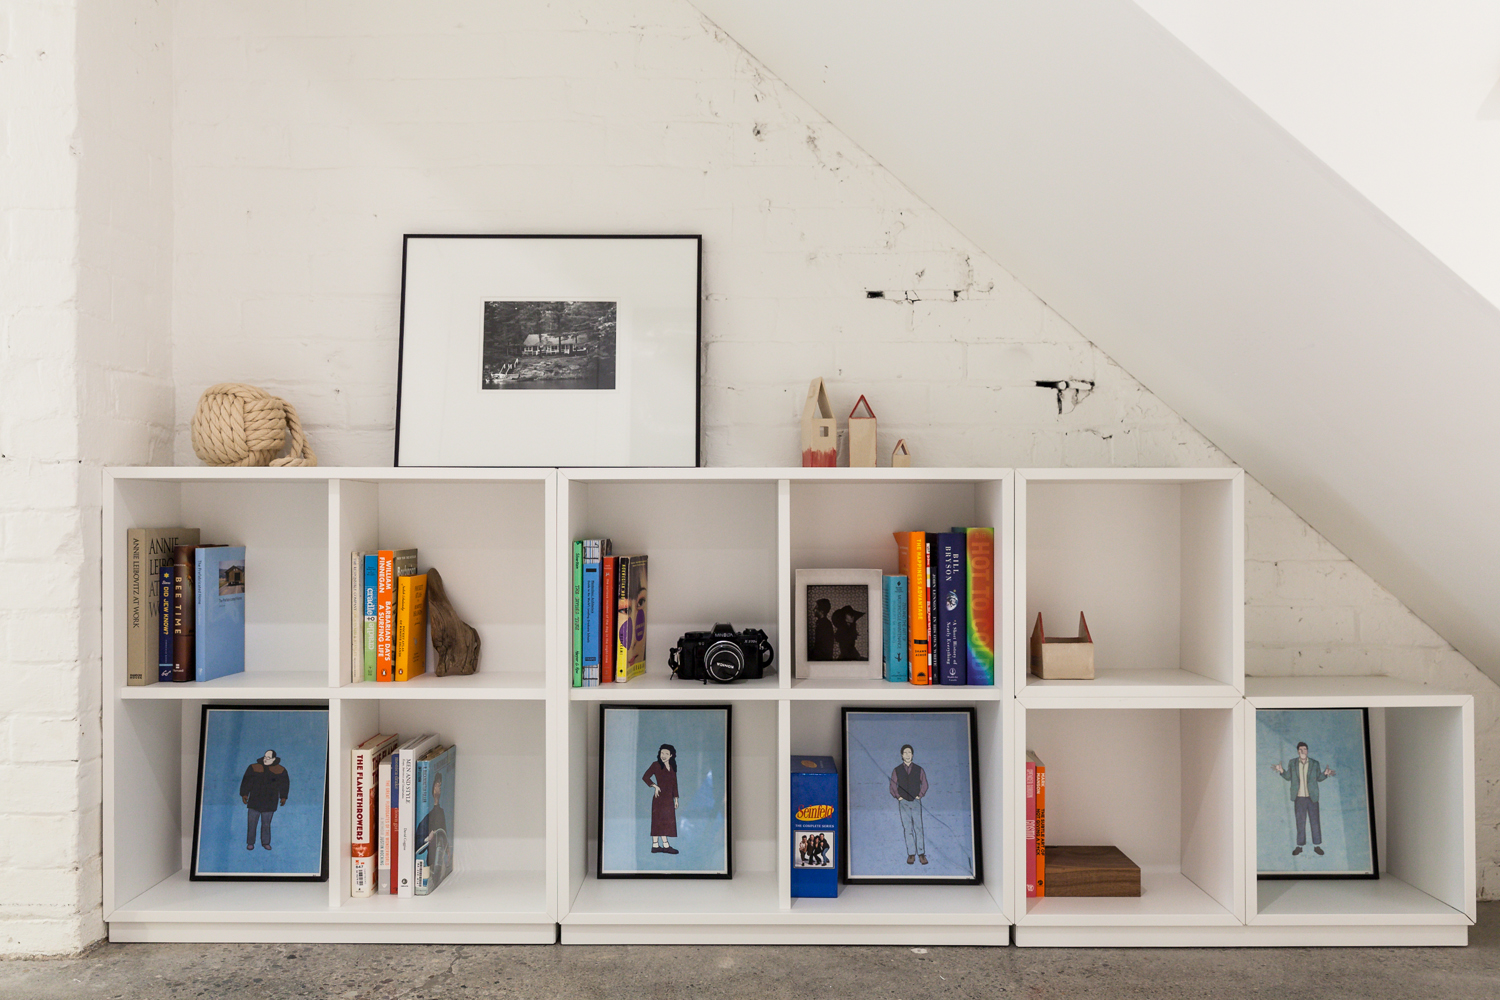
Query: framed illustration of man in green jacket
[1305,774]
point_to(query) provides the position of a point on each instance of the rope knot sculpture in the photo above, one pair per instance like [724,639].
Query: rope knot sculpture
[239,424]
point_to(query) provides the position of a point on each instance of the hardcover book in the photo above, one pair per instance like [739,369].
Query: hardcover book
[911,550]
[404,783]
[219,610]
[607,588]
[371,604]
[594,551]
[384,818]
[410,657]
[952,604]
[630,649]
[364,773]
[1041,822]
[894,642]
[433,856]
[164,627]
[147,550]
[184,637]
[1030,829]
[391,564]
[933,665]
[980,617]
[578,612]
[356,617]
[815,824]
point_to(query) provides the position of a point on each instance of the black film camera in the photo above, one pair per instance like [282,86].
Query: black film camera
[722,655]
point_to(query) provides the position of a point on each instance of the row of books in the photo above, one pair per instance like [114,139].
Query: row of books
[401,815]
[1036,826]
[185,610]
[387,616]
[940,610]
[609,614]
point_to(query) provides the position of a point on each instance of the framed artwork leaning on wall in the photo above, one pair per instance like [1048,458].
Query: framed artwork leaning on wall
[1314,807]
[544,351]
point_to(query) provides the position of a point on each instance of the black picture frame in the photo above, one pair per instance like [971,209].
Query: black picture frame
[704,828]
[614,375]
[871,823]
[1353,822]
[302,732]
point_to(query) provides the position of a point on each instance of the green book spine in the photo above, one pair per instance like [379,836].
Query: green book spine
[578,613]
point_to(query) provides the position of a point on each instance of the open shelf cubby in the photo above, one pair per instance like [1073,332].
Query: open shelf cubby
[1156,755]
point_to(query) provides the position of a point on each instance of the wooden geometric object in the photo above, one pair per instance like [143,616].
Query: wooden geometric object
[900,455]
[456,642]
[820,437]
[1062,659]
[862,437]
[1091,871]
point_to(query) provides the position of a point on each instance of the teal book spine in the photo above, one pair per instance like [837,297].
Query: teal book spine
[219,610]
[893,641]
[578,613]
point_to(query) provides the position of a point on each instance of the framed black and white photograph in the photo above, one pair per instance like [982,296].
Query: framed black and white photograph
[1314,807]
[911,796]
[549,351]
[262,797]
[664,792]
[838,623]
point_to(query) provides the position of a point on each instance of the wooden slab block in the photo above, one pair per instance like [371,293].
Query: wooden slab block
[1091,871]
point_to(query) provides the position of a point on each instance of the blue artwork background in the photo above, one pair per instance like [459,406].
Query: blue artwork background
[1335,738]
[940,744]
[236,738]
[632,738]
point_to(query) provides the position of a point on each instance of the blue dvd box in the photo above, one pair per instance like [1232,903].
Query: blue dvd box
[815,824]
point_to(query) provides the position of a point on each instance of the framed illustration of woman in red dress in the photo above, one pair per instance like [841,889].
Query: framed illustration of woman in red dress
[664,792]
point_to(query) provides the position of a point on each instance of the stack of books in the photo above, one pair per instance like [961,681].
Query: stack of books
[609,614]
[1036,826]
[185,616]
[387,616]
[940,611]
[402,815]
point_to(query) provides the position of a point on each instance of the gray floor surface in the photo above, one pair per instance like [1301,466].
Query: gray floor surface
[479,972]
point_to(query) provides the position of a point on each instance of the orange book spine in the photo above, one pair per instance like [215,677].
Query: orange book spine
[385,614]
[411,627]
[1041,830]
[911,549]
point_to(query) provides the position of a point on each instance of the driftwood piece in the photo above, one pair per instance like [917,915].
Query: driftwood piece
[456,642]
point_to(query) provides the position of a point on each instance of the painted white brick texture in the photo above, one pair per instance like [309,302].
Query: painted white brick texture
[264,161]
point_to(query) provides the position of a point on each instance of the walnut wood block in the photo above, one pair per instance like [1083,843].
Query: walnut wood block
[1091,871]
[454,640]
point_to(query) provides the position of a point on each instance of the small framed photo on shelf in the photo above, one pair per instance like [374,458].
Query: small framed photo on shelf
[262,804]
[911,796]
[549,351]
[664,792]
[839,624]
[1314,810]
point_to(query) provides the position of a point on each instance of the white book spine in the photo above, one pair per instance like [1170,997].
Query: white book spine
[357,616]
[383,824]
[362,871]
[406,803]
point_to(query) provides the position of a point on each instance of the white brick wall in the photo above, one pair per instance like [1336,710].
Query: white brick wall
[305,138]
[85,377]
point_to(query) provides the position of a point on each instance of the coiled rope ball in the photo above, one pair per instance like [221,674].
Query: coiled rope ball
[239,424]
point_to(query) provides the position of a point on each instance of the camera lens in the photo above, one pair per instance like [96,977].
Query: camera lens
[724,661]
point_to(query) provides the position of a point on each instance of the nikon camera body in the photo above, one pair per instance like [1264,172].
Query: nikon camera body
[722,655]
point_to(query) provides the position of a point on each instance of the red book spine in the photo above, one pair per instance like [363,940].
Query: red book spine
[1030,830]
[385,614]
[607,619]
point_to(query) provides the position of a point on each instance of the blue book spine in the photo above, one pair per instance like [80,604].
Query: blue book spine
[952,608]
[592,557]
[219,605]
[423,804]
[164,628]
[372,589]
[893,641]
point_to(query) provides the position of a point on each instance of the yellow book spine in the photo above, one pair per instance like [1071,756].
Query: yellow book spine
[411,627]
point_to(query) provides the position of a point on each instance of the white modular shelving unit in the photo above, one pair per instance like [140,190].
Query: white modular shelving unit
[724,545]
[489,532]
[1155,755]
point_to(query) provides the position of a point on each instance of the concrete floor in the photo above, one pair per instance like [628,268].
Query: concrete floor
[474,972]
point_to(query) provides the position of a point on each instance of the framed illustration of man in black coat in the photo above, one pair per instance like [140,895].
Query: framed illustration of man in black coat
[252,821]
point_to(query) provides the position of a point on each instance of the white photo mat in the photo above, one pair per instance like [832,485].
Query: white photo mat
[446,414]
[871,623]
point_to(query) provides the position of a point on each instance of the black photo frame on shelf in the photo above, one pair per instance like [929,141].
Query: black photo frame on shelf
[911,796]
[1314,794]
[261,813]
[579,351]
[838,623]
[664,792]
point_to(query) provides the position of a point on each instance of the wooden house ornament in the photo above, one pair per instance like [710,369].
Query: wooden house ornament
[1062,659]
[820,439]
[900,457]
[862,437]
